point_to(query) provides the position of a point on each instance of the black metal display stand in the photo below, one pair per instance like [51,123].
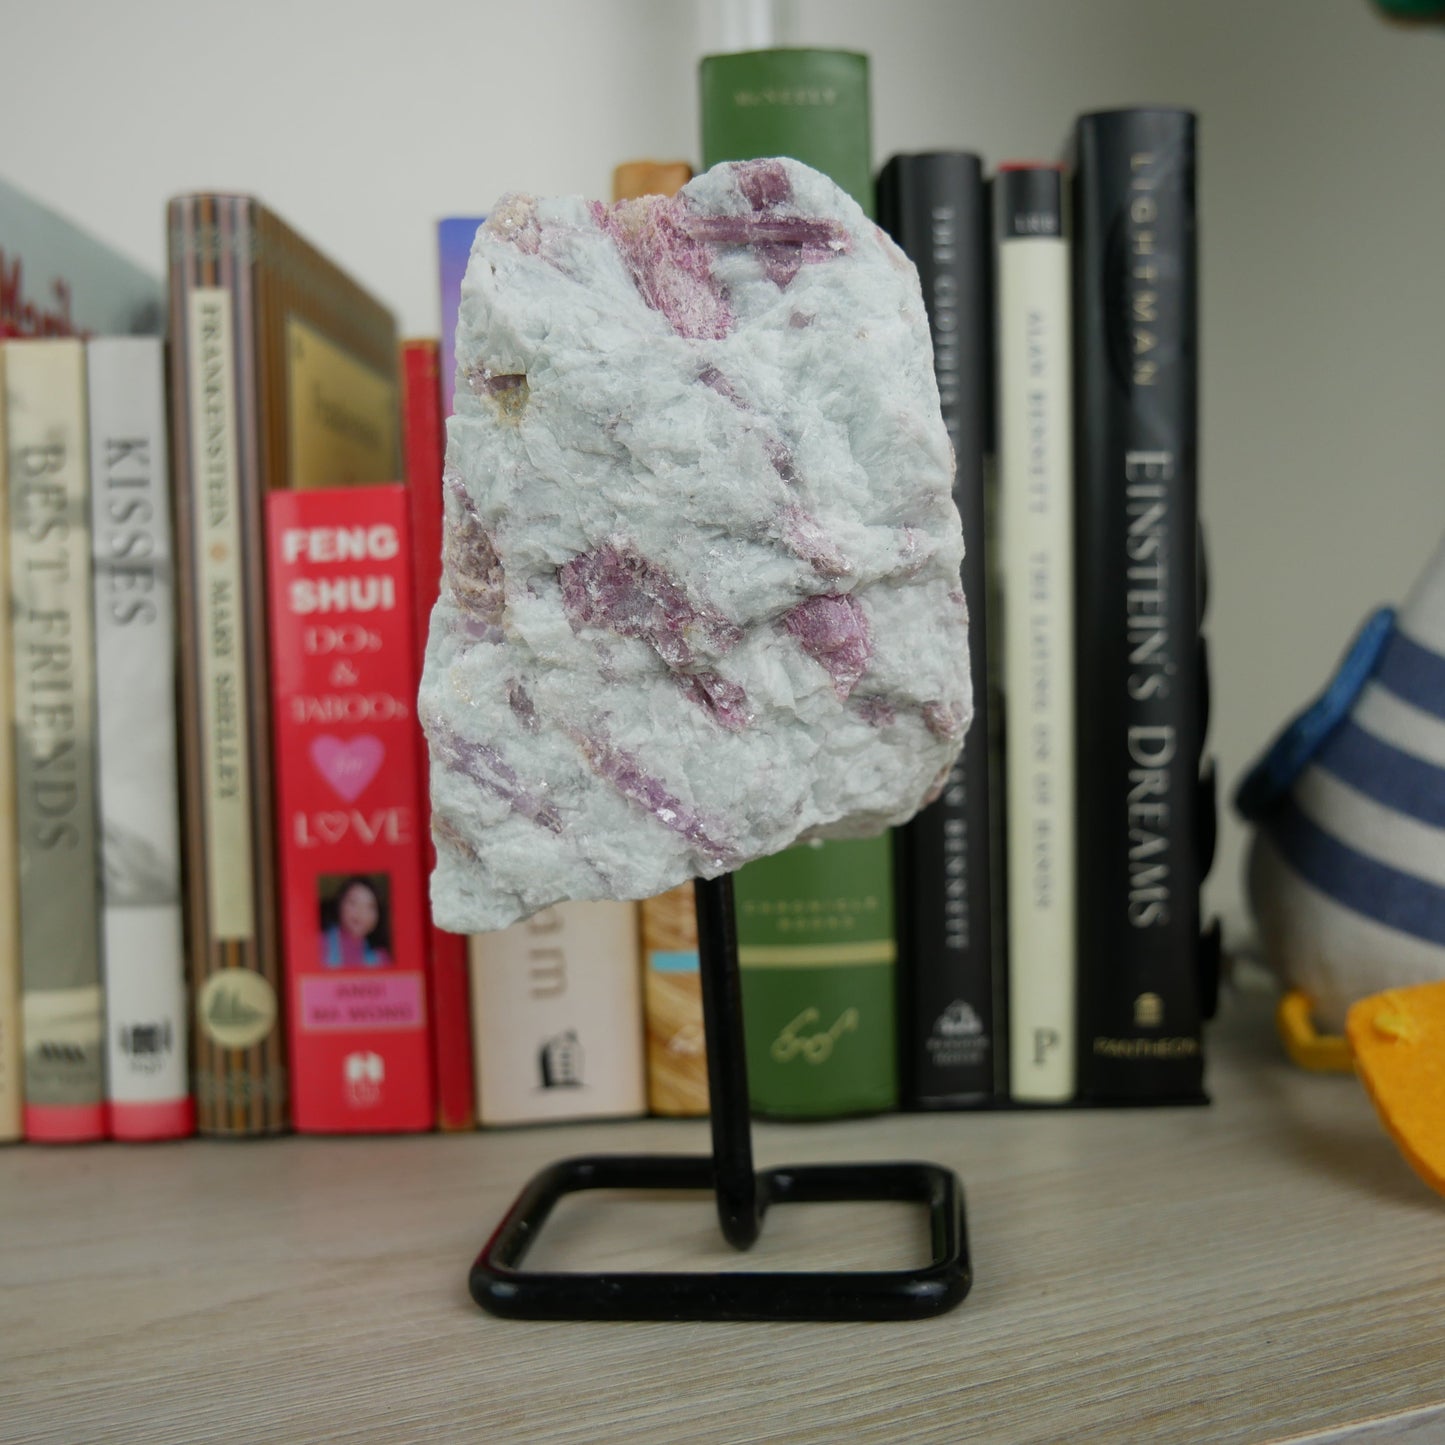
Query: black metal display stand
[500,1285]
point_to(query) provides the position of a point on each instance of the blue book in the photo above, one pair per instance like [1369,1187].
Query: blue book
[454,245]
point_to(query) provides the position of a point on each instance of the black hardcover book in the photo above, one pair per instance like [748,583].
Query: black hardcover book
[935,207]
[1140,669]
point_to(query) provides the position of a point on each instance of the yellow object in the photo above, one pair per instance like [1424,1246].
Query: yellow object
[1323,1053]
[1398,1039]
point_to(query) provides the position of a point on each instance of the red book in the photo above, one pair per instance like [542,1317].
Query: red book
[451,999]
[348,804]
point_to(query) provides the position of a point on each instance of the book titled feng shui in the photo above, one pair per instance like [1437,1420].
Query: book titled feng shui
[148,1090]
[557,1014]
[53,661]
[353,908]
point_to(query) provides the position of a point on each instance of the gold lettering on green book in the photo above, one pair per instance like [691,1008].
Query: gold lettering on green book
[799,1038]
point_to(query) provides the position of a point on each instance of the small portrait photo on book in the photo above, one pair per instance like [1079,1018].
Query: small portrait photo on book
[354,913]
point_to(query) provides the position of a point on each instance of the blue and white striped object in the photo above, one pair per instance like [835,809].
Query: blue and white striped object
[1347,870]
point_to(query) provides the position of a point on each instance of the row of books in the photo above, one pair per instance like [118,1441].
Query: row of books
[953,964]
[1078,837]
[1041,942]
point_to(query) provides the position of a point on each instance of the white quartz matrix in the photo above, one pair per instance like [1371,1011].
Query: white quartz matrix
[701,593]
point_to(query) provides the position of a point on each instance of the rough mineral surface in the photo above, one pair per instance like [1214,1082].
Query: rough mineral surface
[701,593]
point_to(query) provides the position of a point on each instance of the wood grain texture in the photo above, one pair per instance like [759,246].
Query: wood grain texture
[1265,1269]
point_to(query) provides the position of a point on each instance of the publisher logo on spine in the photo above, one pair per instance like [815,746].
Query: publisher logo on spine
[147,1046]
[363,1074]
[803,1037]
[959,1038]
[237,1008]
[559,1061]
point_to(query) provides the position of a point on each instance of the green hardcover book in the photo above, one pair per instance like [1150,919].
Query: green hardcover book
[817,948]
[815,923]
[811,105]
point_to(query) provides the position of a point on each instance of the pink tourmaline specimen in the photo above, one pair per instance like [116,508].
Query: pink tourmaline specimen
[701,592]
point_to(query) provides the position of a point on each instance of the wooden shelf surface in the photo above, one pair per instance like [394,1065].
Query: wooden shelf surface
[1261,1270]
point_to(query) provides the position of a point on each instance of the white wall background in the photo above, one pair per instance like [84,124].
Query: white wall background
[1322,210]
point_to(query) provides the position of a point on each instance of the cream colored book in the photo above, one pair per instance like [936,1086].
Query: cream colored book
[53,674]
[11,1054]
[1036,535]
[557,1016]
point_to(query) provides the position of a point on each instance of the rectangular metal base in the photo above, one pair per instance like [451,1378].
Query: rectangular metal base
[502,1287]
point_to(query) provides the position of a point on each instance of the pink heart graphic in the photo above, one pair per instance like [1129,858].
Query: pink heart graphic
[350,766]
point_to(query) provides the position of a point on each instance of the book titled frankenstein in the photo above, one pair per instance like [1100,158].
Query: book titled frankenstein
[1139,654]
[934,206]
[284,374]
[53,659]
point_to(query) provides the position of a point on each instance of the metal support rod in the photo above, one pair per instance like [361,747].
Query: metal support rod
[501,1284]
[739,1205]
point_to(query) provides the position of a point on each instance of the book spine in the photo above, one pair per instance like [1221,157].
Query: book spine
[53,658]
[239,1065]
[934,207]
[454,248]
[672,1004]
[633,179]
[818,953]
[349,789]
[147,1077]
[448,978]
[1138,625]
[811,105]
[815,924]
[671,977]
[557,1009]
[1036,546]
[12,1052]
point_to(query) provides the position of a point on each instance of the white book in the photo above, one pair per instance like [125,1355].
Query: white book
[133,588]
[1036,537]
[557,1016]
